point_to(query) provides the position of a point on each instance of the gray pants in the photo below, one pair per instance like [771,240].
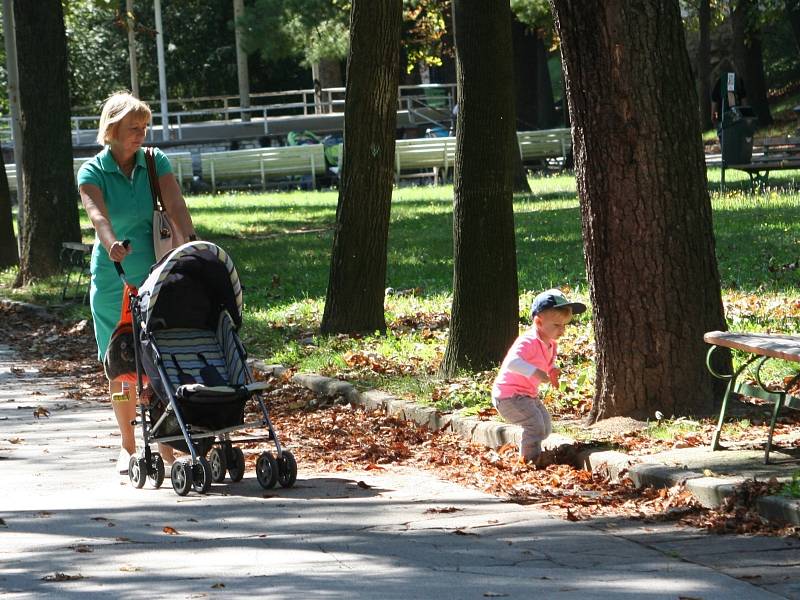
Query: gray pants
[532,416]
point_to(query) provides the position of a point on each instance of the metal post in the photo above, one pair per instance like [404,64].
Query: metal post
[162,74]
[13,101]
[723,109]
[241,62]
[131,23]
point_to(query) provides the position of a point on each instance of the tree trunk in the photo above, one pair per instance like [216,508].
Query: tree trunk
[704,65]
[326,74]
[9,255]
[525,94]
[354,301]
[50,201]
[792,8]
[485,314]
[645,210]
[545,105]
[749,58]
[525,71]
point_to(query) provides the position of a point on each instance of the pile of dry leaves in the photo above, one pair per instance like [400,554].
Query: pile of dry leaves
[327,435]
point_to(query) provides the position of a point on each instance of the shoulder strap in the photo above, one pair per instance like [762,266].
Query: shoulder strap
[152,176]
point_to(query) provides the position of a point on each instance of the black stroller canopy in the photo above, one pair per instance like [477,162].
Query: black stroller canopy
[190,288]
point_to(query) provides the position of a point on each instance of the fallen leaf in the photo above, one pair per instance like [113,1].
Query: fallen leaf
[448,509]
[170,530]
[62,577]
[40,411]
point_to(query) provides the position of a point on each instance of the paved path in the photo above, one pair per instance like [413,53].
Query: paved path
[64,511]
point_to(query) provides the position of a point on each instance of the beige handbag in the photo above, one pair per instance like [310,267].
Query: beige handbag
[166,234]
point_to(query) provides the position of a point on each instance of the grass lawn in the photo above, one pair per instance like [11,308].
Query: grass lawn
[280,243]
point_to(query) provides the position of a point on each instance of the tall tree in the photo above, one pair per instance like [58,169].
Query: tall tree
[485,313]
[9,256]
[704,64]
[50,202]
[792,11]
[749,58]
[354,300]
[313,29]
[645,210]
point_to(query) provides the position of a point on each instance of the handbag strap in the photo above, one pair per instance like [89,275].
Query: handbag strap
[152,176]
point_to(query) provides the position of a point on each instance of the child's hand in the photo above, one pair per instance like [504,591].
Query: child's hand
[553,376]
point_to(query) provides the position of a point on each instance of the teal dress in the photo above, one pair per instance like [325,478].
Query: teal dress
[130,210]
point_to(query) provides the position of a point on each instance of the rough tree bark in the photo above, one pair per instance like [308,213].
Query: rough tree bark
[485,313]
[645,210]
[9,254]
[354,301]
[704,65]
[50,202]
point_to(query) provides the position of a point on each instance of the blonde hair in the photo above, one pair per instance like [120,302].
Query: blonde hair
[116,107]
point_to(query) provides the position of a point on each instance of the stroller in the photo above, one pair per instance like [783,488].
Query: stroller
[185,318]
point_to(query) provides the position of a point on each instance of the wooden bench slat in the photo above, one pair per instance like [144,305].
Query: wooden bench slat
[786,347]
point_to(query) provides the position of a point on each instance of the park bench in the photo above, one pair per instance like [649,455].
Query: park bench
[423,157]
[75,260]
[758,348]
[244,166]
[545,146]
[779,153]
[181,165]
[430,157]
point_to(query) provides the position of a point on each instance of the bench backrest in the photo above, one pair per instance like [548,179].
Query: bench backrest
[181,165]
[263,163]
[424,153]
[545,143]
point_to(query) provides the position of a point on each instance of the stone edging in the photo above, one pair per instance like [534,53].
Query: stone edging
[709,491]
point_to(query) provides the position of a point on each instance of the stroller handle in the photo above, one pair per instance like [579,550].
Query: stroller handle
[118,265]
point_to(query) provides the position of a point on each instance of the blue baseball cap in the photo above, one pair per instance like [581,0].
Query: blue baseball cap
[554,299]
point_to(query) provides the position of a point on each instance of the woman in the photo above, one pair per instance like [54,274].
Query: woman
[115,192]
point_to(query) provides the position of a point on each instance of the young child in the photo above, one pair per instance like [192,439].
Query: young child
[530,361]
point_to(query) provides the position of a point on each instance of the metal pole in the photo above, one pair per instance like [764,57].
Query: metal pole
[241,62]
[162,73]
[132,47]
[13,101]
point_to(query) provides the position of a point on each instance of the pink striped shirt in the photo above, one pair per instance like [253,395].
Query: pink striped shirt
[533,351]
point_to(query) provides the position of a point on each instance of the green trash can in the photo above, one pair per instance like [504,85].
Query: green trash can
[736,135]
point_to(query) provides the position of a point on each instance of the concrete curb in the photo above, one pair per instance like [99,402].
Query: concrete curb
[711,492]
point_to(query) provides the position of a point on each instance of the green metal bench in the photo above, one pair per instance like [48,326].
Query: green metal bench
[75,260]
[759,348]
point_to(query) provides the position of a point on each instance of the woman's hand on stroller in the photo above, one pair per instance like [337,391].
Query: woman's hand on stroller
[119,250]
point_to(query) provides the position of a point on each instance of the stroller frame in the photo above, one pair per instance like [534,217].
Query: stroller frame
[196,471]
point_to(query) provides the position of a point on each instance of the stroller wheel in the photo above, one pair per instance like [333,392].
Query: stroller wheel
[137,471]
[287,469]
[201,475]
[266,470]
[219,465]
[181,477]
[156,472]
[236,464]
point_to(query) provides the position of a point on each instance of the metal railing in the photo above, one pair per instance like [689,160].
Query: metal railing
[428,103]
